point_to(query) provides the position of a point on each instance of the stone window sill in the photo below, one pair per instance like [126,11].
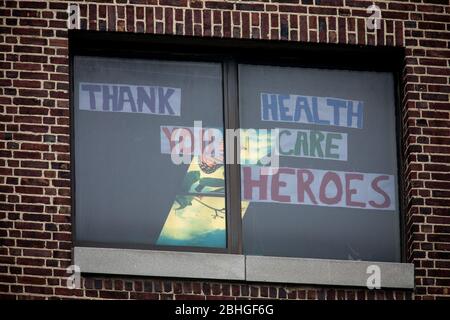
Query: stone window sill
[240,267]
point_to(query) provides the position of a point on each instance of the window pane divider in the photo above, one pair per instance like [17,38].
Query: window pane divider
[232,170]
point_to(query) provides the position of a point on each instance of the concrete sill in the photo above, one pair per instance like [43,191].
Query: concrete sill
[240,267]
[160,263]
[327,272]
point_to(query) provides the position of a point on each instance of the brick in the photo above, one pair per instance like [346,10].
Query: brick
[113,295]
[35,192]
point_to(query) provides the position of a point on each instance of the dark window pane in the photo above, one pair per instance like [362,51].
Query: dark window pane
[335,192]
[129,192]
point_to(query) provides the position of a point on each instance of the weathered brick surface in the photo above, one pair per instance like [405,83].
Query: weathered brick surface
[35,213]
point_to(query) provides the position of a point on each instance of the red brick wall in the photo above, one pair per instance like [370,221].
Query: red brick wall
[35,212]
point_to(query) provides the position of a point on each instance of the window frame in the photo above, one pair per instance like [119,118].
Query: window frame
[230,53]
[164,56]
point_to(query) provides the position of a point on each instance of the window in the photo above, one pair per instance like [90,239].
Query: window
[128,191]
[159,172]
[335,194]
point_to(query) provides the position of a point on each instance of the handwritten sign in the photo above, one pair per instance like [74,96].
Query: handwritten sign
[312,110]
[319,188]
[129,98]
[313,144]
[190,140]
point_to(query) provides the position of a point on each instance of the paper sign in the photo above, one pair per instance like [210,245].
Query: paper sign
[129,98]
[256,144]
[312,110]
[313,144]
[319,188]
[191,140]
